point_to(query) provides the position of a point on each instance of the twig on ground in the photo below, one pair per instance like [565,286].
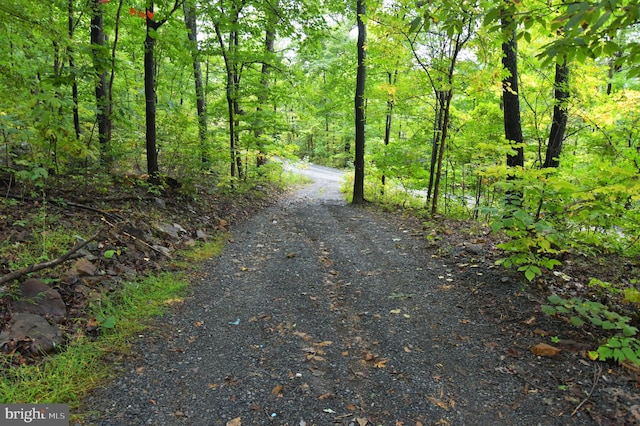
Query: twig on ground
[596,377]
[44,265]
[133,237]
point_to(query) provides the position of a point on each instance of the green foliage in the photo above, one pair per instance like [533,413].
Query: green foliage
[623,346]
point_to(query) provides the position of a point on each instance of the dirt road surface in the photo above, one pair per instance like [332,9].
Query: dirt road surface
[321,313]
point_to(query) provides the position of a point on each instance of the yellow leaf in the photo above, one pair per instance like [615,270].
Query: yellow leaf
[235,422]
[395,311]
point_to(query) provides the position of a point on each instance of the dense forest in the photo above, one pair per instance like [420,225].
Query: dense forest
[522,113]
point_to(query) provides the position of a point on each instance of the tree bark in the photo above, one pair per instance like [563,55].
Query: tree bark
[358,183]
[150,98]
[269,45]
[560,115]
[391,79]
[201,105]
[74,85]
[510,98]
[102,99]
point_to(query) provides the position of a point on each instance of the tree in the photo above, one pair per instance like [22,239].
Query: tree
[560,116]
[190,20]
[510,92]
[152,27]
[99,63]
[361,78]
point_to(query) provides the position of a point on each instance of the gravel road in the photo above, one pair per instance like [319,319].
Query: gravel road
[321,313]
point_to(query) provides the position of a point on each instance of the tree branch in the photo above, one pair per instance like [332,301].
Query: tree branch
[45,265]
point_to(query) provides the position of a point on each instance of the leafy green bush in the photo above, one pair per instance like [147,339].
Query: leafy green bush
[623,346]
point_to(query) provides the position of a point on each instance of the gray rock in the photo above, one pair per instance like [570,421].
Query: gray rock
[33,332]
[35,297]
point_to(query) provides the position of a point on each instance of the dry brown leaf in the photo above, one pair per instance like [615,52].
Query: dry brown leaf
[327,395]
[322,344]
[381,363]
[198,323]
[542,349]
[235,422]
[361,421]
[440,403]
[277,391]
[212,386]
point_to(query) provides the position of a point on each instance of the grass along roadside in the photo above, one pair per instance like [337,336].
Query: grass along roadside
[86,363]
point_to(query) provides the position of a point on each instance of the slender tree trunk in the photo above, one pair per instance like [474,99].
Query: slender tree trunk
[150,98]
[560,116]
[391,79]
[358,183]
[269,44]
[102,98]
[74,84]
[438,123]
[446,100]
[201,105]
[510,98]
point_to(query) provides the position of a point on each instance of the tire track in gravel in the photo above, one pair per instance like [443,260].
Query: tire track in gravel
[319,313]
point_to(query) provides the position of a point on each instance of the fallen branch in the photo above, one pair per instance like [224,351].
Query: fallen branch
[133,237]
[596,376]
[44,265]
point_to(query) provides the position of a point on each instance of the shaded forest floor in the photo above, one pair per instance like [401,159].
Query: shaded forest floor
[321,313]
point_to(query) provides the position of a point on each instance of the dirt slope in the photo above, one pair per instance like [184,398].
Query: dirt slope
[320,313]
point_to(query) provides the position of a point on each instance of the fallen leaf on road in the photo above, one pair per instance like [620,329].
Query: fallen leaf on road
[235,422]
[395,311]
[445,405]
[361,421]
[329,410]
[542,349]
[277,391]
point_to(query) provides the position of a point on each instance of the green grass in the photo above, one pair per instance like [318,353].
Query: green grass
[65,378]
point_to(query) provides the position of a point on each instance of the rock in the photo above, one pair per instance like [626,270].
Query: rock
[542,349]
[201,235]
[30,332]
[160,203]
[84,267]
[167,229]
[35,297]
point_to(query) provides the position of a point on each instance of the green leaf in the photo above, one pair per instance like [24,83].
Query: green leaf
[549,310]
[629,330]
[555,299]
[576,321]
[415,24]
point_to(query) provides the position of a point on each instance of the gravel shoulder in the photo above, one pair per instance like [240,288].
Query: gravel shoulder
[322,313]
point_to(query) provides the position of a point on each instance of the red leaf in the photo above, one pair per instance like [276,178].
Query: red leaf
[133,11]
[149,14]
[142,14]
[103,1]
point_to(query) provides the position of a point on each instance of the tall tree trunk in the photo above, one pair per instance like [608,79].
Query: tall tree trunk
[511,106]
[74,84]
[560,116]
[438,123]
[358,183]
[150,98]
[102,98]
[510,97]
[446,106]
[229,54]
[391,79]
[263,95]
[201,106]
